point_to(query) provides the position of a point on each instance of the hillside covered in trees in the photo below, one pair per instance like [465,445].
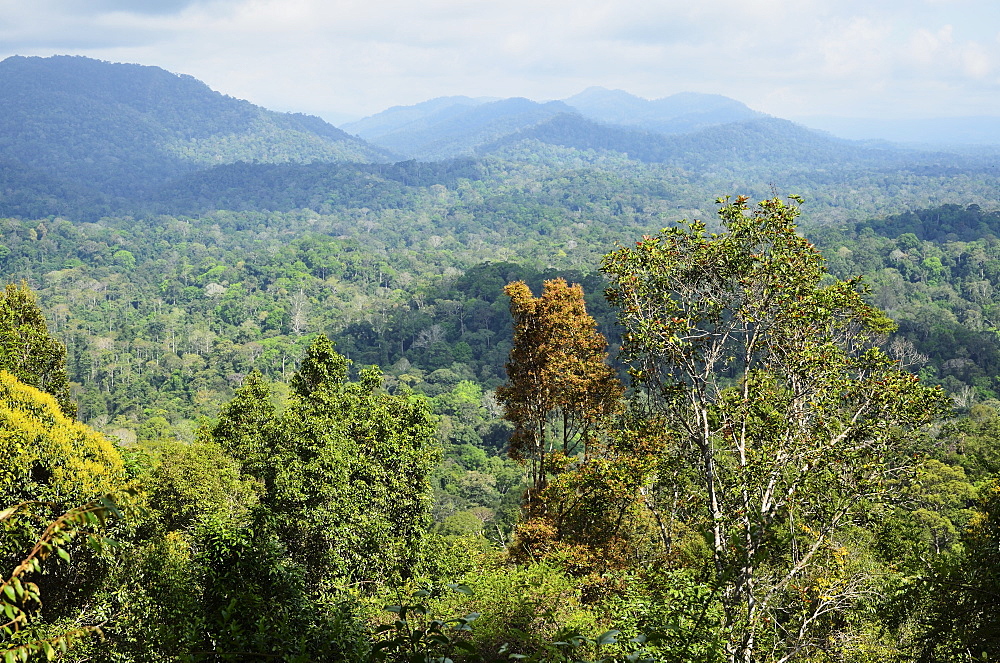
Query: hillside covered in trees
[279,380]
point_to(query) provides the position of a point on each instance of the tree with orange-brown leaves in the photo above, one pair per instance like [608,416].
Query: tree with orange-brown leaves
[559,387]
[588,460]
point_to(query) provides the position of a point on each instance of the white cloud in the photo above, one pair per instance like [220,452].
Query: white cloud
[363,55]
[860,48]
[939,55]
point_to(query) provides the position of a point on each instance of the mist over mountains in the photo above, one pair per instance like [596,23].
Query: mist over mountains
[454,126]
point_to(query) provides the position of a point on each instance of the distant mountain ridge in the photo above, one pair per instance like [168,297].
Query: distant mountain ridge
[87,139]
[452,126]
[119,128]
[755,144]
[449,127]
[679,113]
[415,117]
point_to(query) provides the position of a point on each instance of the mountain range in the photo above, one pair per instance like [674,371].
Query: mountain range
[457,126]
[77,132]
[123,128]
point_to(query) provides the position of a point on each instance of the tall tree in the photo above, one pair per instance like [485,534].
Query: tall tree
[559,386]
[778,396]
[959,615]
[955,605]
[28,350]
[321,367]
[247,428]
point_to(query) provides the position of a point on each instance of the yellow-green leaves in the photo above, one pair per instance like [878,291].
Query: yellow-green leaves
[47,455]
[26,348]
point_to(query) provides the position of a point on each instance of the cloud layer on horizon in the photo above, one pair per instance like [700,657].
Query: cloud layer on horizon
[898,58]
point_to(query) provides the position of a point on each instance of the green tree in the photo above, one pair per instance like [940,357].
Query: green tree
[198,481]
[788,421]
[247,429]
[345,467]
[26,348]
[321,367]
[958,615]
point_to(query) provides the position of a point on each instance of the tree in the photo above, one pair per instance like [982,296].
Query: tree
[195,482]
[594,518]
[247,429]
[321,367]
[780,404]
[959,616]
[345,467]
[26,348]
[587,464]
[559,386]
[51,465]
[49,460]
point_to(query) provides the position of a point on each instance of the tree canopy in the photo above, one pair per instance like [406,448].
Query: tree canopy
[779,399]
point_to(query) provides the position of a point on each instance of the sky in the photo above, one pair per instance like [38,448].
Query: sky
[343,59]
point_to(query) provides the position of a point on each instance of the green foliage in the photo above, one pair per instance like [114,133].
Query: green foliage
[246,427]
[679,613]
[959,619]
[932,270]
[197,482]
[255,600]
[345,467]
[28,351]
[225,591]
[416,636]
[779,399]
[154,599]
[321,367]
[21,599]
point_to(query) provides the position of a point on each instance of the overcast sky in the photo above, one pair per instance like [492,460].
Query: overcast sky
[336,58]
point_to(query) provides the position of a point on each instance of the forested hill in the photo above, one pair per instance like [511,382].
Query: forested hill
[456,129]
[750,146]
[692,130]
[122,128]
[679,113]
[450,126]
[83,139]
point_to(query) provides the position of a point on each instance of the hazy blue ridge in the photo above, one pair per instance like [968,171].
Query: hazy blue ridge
[459,132]
[412,118]
[679,113]
[122,128]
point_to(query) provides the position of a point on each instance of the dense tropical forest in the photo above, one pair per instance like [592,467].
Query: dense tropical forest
[273,392]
